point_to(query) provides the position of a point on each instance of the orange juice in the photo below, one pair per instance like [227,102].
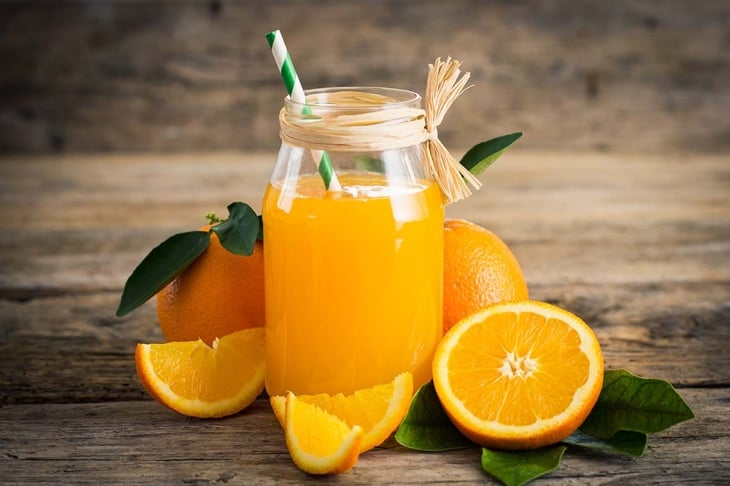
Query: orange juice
[353,282]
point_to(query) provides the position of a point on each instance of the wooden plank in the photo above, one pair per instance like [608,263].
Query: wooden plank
[163,75]
[144,443]
[569,218]
[48,343]
[130,191]
[636,245]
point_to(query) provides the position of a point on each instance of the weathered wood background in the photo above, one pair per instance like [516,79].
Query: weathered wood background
[92,75]
[607,203]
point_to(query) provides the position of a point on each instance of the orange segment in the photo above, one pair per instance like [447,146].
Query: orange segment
[198,380]
[518,375]
[378,410]
[319,442]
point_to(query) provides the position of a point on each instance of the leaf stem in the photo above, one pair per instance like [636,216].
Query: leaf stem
[213,218]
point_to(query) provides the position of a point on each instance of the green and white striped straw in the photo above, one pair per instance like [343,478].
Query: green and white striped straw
[296,92]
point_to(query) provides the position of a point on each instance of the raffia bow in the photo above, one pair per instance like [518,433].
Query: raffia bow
[322,129]
[443,86]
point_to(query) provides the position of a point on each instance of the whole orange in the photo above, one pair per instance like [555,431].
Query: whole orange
[479,270]
[218,294]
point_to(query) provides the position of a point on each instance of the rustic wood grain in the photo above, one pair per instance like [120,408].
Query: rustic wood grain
[159,75]
[143,443]
[638,245]
[48,343]
[613,218]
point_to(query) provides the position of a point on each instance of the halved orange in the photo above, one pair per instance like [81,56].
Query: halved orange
[204,381]
[319,442]
[378,410]
[518,375]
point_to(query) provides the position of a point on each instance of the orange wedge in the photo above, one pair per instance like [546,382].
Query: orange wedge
[378,410]
[319,442]
[198,380]
[518,375]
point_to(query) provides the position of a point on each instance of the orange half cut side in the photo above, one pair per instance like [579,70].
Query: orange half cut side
[518,375]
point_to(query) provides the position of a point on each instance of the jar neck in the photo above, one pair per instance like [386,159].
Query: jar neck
[354,119]
[353,100]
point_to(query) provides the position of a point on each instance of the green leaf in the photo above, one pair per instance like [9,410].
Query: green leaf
[161,265]
[426,426]
[368,163]
[629,402]
[238,233]
[626,442]
[515,468]
[260,232]
[483,154]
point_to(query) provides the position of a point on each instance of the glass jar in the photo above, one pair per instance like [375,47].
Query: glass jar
[353,273]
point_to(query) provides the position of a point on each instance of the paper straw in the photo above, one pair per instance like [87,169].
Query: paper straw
[296,92]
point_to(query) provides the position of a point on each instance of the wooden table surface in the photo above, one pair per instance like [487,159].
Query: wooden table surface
[636,244]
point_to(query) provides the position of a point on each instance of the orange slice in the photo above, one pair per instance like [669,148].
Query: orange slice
[319,442]
[198,380]
[378,410]
[518,375]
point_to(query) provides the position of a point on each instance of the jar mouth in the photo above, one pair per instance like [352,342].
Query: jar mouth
[391,98]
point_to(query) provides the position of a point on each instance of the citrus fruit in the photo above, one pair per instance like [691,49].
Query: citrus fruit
[378,410]
[218,294]
[198,380]
[319,442]
[479,270]
[518,375]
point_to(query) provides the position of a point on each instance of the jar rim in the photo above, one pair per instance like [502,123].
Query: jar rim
[317,97]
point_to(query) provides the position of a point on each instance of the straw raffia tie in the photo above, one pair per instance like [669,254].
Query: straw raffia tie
[390,128]
[443,86]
